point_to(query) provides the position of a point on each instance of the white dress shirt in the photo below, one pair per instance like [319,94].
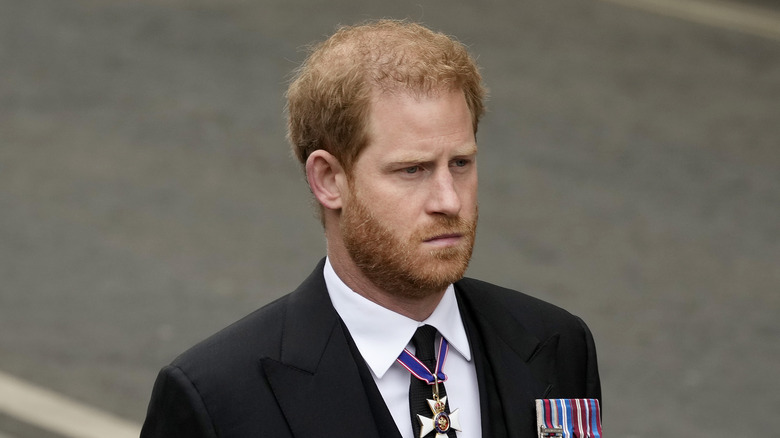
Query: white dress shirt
[381,335]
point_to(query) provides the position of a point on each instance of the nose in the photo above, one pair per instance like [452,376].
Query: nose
[444,198]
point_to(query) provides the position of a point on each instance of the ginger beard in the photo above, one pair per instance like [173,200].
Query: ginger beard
[403,267]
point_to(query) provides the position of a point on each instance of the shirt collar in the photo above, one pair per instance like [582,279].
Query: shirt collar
[381,334]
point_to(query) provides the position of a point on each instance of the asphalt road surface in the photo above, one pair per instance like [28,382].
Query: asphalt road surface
[629,172]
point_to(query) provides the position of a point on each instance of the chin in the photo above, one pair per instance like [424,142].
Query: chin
[433,277]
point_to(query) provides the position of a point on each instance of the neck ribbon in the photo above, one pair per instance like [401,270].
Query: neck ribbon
[419,370]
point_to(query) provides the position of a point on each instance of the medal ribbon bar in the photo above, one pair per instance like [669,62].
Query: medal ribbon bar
[568,418]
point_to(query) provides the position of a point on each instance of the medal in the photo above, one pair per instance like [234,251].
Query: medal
[441,421]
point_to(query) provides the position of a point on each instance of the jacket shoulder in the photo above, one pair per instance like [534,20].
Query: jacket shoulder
[515,300]
[256,334]
[214,387]
[537,316]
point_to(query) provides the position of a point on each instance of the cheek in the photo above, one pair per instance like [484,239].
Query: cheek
[468,192]
[389,202]
[398,216]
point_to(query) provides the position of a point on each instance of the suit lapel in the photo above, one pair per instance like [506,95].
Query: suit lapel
[522,366]
[316,380]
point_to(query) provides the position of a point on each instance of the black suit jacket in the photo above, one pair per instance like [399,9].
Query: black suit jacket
[288,370]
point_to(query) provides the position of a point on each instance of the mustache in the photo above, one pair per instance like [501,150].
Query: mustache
[446,226]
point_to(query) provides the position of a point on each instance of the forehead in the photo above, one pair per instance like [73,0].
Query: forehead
[400,122]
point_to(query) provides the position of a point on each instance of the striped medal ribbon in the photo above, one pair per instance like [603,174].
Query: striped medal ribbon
[420,371]
[568,418]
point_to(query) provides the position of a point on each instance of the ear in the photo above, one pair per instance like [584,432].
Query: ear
[326,179]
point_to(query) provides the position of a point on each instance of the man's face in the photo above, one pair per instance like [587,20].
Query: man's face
[410,217]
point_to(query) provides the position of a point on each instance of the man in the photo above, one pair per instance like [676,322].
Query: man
[385,338]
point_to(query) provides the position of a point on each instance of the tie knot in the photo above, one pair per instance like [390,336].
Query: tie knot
[423,341]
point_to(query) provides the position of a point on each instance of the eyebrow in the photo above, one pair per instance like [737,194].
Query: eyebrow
[412,157]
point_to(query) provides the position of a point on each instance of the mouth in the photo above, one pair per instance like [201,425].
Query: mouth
[444,239]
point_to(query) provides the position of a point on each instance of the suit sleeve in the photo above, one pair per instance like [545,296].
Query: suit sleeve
[592,379]
[176,409]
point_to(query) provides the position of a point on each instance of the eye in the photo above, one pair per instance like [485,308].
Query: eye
[462,162]
[412,170]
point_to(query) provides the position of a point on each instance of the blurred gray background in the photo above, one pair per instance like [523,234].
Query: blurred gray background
[629,172]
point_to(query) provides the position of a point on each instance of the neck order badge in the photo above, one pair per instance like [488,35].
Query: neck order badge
[441,422]
[568,418]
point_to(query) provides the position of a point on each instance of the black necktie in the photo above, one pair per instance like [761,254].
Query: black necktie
[419,391]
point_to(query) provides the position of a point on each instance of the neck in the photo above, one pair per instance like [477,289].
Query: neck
[417,307]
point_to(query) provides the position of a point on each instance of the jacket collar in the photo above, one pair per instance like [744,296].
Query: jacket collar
[316,380]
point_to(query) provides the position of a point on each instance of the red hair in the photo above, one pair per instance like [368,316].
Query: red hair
[330,95]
